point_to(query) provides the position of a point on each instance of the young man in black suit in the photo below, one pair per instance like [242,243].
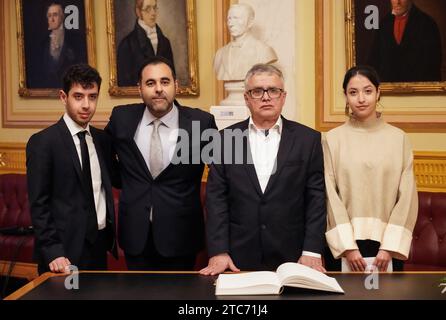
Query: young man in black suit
[69,182]
[160,215]
[268,207]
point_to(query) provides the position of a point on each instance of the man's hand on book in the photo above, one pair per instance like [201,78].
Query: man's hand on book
[312,262]
[355,260]
[218,264]
[382,260]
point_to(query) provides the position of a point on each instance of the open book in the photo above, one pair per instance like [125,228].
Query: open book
[269,282]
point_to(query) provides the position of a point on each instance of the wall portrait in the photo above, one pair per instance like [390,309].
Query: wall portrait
[139,29]
[412,105]
[404,40]
[52,35]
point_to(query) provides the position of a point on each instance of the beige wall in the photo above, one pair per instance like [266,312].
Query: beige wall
[207,33]
[206,48]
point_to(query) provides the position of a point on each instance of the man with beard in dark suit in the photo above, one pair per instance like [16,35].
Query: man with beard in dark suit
[160,214]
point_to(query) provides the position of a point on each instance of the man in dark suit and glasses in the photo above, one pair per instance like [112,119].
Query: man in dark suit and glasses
[160,215]
[268,207]
[69,182]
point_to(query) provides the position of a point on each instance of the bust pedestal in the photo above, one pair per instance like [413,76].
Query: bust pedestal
[235,91]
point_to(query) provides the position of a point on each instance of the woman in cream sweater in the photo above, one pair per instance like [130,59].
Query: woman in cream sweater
[372,198]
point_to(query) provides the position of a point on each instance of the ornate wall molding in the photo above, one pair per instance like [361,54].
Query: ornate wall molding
[429,167]
[12,158]
[430,171]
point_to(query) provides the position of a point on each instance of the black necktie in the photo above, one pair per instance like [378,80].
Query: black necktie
[266,132]
[92,223]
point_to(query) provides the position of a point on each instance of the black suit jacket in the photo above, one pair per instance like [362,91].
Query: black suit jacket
[56,190]
[177,223]
[417,58]
[134,49]
[262,230]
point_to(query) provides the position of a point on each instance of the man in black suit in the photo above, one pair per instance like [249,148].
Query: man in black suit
[407,45]
[160,215]
[146,40]
[266,191]
[69,182]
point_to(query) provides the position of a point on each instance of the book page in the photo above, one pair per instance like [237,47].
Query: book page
[369,260]
[298,275]
[259,282]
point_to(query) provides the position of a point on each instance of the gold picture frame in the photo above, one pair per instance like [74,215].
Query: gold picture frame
[26,31]
[353,41]
[186,65]
[413,111]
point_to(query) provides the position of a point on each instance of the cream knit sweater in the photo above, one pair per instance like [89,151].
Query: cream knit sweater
[370,186]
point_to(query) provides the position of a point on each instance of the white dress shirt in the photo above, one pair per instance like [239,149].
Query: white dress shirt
[264,149]
[168,131]
[98,190]
[151,34]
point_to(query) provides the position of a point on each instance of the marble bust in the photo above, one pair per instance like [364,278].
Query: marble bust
[233,61]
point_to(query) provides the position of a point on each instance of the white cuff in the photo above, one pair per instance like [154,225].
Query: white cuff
[311,254]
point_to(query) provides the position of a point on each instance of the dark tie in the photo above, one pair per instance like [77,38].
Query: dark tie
[92,222]
[266,132]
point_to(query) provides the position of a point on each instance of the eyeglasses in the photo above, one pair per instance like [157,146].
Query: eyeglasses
[150,8]
[257,93]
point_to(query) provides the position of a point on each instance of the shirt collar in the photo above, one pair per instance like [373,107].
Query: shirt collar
[147,29]
[170,120]
[277,126]
[73,127]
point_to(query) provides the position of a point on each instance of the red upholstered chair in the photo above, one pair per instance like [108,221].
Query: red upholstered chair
[15,248]
[428,251]
[112,263]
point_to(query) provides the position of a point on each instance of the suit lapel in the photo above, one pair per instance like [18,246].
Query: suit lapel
[185,124]
[247,158]
[286,145]
[104,171]
[135,118]
[70,147]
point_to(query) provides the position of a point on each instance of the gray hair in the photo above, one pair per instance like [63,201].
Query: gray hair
[247,8]
[263,68]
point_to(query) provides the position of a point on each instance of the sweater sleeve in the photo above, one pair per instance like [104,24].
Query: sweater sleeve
[339,233]
[397,236]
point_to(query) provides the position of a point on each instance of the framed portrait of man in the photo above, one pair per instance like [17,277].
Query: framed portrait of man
[404,40]
[52,35]
[414,105]
[139,29]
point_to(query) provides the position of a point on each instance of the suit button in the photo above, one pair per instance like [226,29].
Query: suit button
[263,227]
